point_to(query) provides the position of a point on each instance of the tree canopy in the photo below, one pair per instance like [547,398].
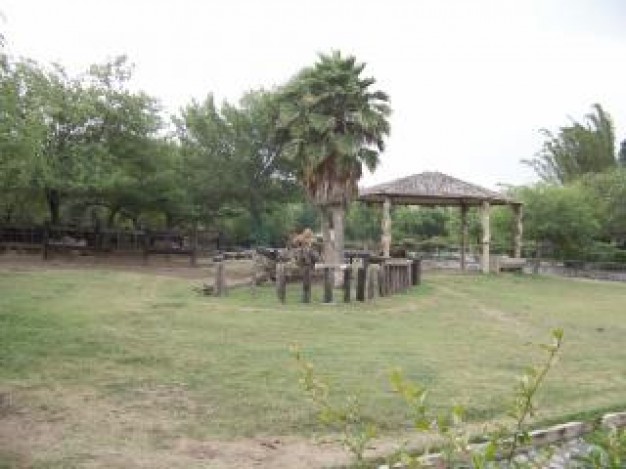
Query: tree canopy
[577,149]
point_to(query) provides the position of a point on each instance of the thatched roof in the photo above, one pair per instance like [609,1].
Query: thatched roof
[432,188]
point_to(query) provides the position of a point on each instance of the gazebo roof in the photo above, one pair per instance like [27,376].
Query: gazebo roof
[433,188]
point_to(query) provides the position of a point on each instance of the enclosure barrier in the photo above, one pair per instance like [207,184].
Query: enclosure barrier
[386,277]
[101,241]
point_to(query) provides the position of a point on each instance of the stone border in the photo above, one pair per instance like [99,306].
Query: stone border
[560,433]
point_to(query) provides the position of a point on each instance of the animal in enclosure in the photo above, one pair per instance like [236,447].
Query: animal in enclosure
[302,250]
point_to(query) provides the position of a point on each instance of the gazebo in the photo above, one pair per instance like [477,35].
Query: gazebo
[437,189]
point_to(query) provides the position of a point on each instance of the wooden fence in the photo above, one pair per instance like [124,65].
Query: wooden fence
[100,241]
[386,277]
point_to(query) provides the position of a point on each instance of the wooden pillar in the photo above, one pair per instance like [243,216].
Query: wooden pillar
[306,284]
[381,280]
[220,281]
[193,258]
[416,272]
[486,239]
[281,282]
[517,230]
[371,282]
[464,210]
[360,283]
[347,281]
[385,240]
[329,283]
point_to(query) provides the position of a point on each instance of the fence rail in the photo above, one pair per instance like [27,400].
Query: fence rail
[57,239]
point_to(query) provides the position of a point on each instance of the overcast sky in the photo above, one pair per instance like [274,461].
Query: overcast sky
[471,82]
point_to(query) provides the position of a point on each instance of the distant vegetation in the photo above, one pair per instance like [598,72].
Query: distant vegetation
[88,149]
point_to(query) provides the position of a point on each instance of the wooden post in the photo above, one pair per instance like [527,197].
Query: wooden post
[416,272]
[347,280]
[464,232]
[360,284]
[517,230]
[486,236]
[220,281]
[45,242]
[385,240]
[281,282]
[193,258]
[381,280]
[146,245]
[329,283]
[306,284]
[387,279]
[371,273]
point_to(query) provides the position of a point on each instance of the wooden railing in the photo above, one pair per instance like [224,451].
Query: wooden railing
[94,240]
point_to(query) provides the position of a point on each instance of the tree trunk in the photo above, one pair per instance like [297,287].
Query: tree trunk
[112,214]
[257,222]
[338,215]
[327,236]
[54,202]
[333,236]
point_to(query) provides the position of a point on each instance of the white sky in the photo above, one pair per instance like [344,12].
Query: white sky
[471,82]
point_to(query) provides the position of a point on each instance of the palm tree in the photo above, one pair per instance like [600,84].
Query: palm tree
[577,149]
[331,124]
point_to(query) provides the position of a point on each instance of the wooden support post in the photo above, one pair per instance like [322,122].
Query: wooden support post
[281,282]
[464,233]
[486,238]
[220,279]
[517,230]
[45,242]
[306,284]
[146,245]
[329,283]
[387,281]
[385,240]
[347,281]
[360,284]
[416,272]
[193,258]
[371,272]
[381,280]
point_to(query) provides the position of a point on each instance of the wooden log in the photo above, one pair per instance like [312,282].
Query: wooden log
[45,242]
[281,282]
[329,283]
[347,281]
[306,284]
[193,255]
[220,279]
[360,284]
[146,245]
[416,272]
[381,281]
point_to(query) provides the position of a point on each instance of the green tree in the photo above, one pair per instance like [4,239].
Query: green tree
[231,157]
[608,193]
[577,149]
[565,216]
[331,124]
[363,223]
[622,154]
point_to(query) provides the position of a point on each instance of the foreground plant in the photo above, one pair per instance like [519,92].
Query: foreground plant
[451,434]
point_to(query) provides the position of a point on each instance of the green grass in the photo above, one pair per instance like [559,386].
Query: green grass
[113,358]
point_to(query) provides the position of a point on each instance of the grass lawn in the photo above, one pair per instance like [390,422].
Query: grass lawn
[95,363]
